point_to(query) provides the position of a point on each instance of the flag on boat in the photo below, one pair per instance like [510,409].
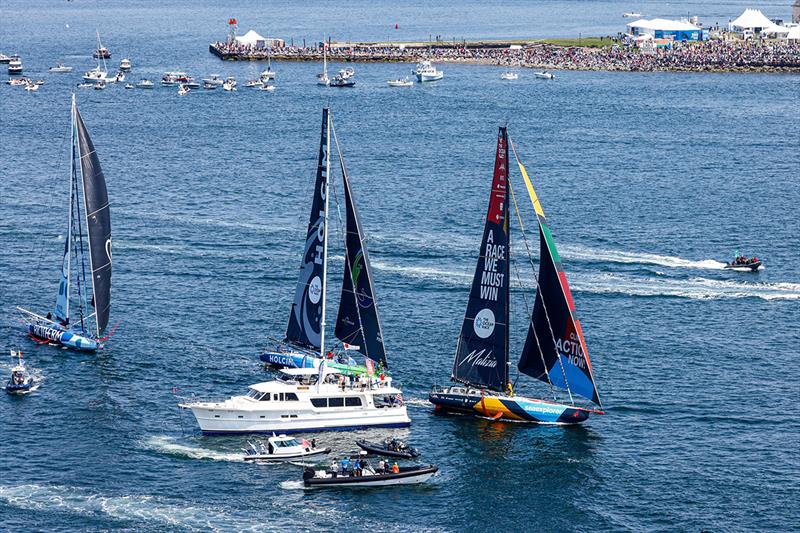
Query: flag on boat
[370,366]
[351,347]
[399,398]
[306,444]
[321,371]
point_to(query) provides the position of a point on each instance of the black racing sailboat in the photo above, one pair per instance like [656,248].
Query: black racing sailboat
[89,205]
[555,350]
[358,324]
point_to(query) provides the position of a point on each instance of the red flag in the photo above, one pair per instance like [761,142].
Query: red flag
[370,366]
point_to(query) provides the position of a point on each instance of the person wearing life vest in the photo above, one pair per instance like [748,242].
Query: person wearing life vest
[395,469]
[510,389]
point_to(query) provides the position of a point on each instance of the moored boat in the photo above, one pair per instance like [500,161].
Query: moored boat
[4,58]
[509,76]
[425,72]
[88,234]
[283,448]
[544,75]
[183,89]
[400,82]
[145,84]
[15,65]
[60,68]
[554,351]
[101,52]
[125,64]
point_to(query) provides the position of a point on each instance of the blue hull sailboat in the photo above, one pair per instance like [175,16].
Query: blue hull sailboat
[86,264]
[555,350]
[358,325]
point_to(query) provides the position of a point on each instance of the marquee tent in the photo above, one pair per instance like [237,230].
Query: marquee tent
[751,19]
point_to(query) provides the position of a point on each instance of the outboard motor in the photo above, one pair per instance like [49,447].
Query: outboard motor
[308,473]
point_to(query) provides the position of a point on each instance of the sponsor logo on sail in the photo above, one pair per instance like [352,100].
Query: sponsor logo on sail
[492,280]
[315,290]
[484,323]
[572,350]
[480,358]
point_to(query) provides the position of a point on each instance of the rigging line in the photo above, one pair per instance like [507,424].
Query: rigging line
[538,295]
[348,267]
[530,314]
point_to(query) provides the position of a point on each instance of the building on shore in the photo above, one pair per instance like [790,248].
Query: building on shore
[677,30]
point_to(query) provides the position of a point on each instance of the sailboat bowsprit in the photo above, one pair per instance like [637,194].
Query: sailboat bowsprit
[555,350]
[88,208]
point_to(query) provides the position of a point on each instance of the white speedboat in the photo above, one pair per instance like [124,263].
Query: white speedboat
[347,73]
[130,86]
[18,81]
[283,448]
[15,65]
[183,89]
[30,86]
[544,75]
[191,84]
[229,84]
[100,85]
[125,64]
[267,87]
[96,74]
[254,83]
[268,74]
[214,80]
[118,78]
[21,382]
[425,71]
[344,79]
[210,86]
[4,58]
[60,68]
[174,78]
[145,84]
[85,85]
[632,15]
[400,82]
[509,76]
[297,401]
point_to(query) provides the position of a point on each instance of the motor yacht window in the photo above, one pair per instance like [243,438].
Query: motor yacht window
[265,397]
[319,402]
[275,397]
[291,397]
[352,402]
[253,393]
[335,402]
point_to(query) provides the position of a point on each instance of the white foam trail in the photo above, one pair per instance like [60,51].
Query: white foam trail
[417,402]
[584,253]
[694,288]
[291,485]
[147,509]
[168,445]
[450,277]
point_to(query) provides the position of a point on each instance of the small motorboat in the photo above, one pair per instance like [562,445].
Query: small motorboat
[229,84]
[209,86]
[267,87]
[96,74]
[183,89]
[174,78]
[130,86]
[85,85]
[30,86]
[360,473]
[254,83]
[99,86]
[741,263]
[18,81]
[191,84]
[39,82]
[125,64]
[268,74]
[544,75]
[21,381]
[61,67]
[425,71]
[102,53]
[344,79]
[390,447]
[400,82]
[119,77]
[4,58]
[145,84]
[347,73]
[283,448]
[214,79]
[632,15]
[509,76]
[15,65]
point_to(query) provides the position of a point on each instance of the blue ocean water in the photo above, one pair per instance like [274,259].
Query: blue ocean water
[648,182]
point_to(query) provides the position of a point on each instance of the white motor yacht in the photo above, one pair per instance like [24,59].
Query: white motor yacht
[400,82]
[60,68]
[214,79]
[296,401]
[229,84]
[544,75]
[425,71]
[15,65]
[145,84]
[125,64]
[509,76]
[30,86]
[183,89]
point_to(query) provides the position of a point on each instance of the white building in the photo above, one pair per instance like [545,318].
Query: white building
[678,30]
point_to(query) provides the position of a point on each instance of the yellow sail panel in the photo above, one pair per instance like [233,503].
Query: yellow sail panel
[532,193]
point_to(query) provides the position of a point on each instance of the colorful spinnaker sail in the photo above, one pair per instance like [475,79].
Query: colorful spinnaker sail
[358,321]
[555,350]
[306,319]
[482,351]
[98,221]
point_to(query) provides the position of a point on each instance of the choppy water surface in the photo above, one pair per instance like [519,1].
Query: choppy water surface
[649,181]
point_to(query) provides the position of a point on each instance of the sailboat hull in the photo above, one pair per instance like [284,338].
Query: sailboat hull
[54,335]
[509,408]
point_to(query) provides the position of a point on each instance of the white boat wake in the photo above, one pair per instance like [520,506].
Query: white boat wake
[144,508]
[584,253]
[168,445]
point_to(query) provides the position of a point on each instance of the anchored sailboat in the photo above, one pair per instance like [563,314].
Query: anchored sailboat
[92,292]
[358,324]
[555,350]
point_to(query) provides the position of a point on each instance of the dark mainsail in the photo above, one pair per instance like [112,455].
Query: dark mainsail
[98,222]
[555,351]
[306,318]
[482,352]
[358,322]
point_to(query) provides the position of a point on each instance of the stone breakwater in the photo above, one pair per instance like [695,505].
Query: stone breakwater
[710,56]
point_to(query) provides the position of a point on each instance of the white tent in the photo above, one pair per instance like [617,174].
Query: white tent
[775,30]
[751,19]
[251,38]
[794,33]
